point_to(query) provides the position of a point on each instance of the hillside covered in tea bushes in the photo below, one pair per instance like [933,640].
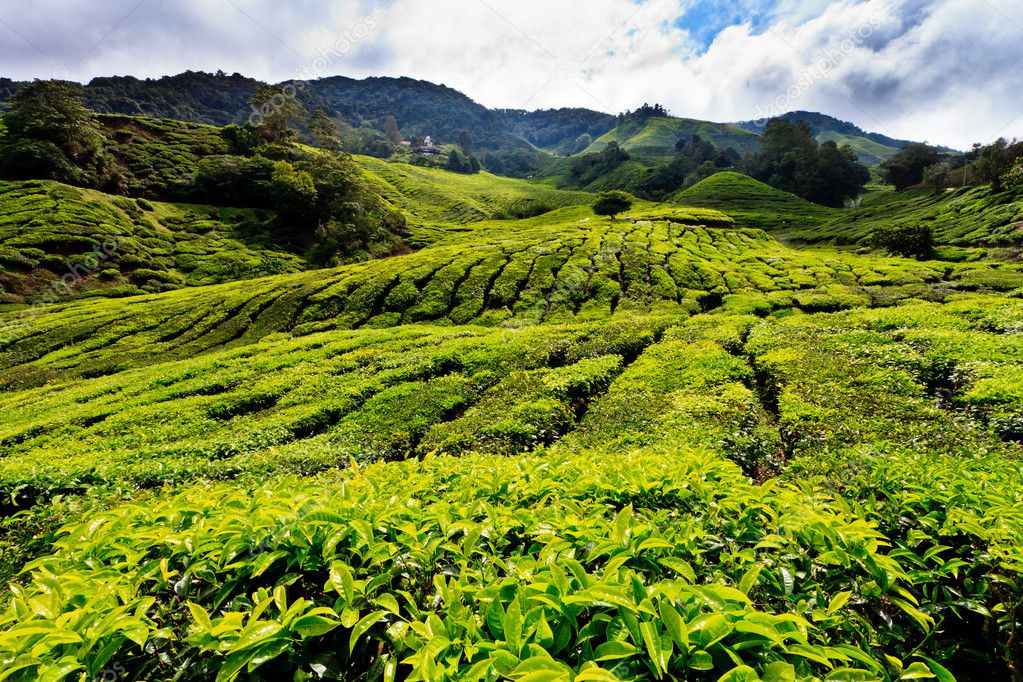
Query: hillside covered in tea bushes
[321,416]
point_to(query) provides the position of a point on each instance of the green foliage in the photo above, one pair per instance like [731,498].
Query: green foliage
[975,217]
[912,241]
[52,111]
[906,168]
[612,203]
[560,447]
[273,110]
[324,131]
[586,168]
[996,161]
[790,159]
[181,244]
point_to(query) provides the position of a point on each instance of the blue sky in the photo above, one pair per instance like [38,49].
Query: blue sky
[946,71]
[705,20]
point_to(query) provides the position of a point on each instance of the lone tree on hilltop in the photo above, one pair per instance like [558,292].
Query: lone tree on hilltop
[612,203]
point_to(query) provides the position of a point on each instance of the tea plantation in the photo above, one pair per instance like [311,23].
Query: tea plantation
[538,447]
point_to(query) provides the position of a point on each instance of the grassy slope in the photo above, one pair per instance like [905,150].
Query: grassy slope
[753,204]
[971,217]
[553,268]
[869,152]
[430,196]
[657,136]
[46,228]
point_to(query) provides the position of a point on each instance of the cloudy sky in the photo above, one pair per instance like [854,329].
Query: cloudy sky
[945,71]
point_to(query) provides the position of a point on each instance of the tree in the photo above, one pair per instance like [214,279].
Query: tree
[324,131]
[997,159]
[790,159]
[612,203]
[273,110]
[911,241]
[294,196]
[474,165]
[936,176]
[52,111]
[391,130]
[787,157]
[457,163]
[906,168]
[840,175]
[1013,179]
[465,142]
[588,167]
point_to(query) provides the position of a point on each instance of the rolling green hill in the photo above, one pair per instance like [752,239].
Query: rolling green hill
[431,196]
[656,136]
[751,203]
[970,217]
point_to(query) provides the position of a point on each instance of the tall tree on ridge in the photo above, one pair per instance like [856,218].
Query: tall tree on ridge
[391,130]
[324,130]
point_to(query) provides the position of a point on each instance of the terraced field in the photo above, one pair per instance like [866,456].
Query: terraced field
[48,230]
[655,445]
[530,272]
[968,217]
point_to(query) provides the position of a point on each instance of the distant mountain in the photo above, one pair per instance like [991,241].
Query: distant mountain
[871,148]
[421,108]
[424,108]
[562,131]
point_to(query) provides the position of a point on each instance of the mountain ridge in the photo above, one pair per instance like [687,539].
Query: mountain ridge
[420,107]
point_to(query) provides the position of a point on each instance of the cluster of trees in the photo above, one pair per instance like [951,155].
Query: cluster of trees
[586,168]
[53,136]
[792,160]
[319,201]
[999,164]
[695,159]
[459,162]
[361,109]
[641,114]
[517,162]
[909,166]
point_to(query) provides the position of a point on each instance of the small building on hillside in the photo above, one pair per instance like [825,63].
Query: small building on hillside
[428,147]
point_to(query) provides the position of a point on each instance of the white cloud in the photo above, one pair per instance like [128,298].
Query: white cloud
[942,70]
